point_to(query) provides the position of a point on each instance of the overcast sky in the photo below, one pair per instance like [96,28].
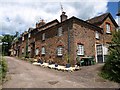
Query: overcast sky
[19,15]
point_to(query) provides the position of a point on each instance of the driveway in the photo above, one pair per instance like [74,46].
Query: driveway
[25,75]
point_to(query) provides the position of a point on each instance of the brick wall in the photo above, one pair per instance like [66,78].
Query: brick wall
[52,41]
[107,37]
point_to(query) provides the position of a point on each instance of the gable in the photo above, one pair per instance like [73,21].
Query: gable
[98,20]
[110,19]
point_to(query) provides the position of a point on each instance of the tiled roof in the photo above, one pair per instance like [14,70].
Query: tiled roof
[98,19]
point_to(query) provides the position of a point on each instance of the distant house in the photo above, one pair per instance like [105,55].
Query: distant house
[68,39]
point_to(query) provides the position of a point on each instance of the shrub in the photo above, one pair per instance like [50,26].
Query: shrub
[3,68]
[111,69]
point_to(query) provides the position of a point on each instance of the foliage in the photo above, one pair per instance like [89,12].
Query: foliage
[7,41]
[3,68]
[111,69]
[6,44]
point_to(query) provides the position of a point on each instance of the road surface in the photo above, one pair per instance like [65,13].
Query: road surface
[25,75]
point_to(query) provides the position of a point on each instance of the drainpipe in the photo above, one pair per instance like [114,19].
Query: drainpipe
[103,51]
[26,48]
[68,45]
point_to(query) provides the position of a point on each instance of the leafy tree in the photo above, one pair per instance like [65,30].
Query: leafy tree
[111,69]
[7,41]
[6,44]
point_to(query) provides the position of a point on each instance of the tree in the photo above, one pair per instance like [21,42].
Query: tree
[111,69]
[6,44]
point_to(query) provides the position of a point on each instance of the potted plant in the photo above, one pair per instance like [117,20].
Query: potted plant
[56,65]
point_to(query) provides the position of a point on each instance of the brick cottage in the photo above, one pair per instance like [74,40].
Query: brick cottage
[68,39]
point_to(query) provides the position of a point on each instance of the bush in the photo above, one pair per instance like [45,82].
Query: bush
[111,69]
[3,68]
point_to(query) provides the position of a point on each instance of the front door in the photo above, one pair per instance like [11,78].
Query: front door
[99,53]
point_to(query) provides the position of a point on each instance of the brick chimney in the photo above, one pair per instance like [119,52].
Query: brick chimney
[63,17]
[41,23]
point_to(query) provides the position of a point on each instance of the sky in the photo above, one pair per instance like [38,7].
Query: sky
[20,15]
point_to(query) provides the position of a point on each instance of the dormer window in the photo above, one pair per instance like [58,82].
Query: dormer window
[97,35]
[43,36]
[60,31]
[108,28]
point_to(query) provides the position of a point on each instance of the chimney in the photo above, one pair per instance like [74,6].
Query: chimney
[63,17]
[41,23]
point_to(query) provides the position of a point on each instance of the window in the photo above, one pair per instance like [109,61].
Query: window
[60,31]
[22,50]
[97,35]
[37,51]
[29,48]
[107,28]
[80,49]
[22,38]
[43,51]
[14,52]
[59,51]
[29,34]
[43,36]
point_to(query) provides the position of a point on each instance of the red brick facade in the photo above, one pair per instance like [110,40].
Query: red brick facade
[74,32]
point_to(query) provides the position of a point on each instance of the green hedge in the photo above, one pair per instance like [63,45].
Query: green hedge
[3,68]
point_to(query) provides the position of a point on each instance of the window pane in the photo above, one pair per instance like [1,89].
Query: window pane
[29,48]
[43,50]
[97,35]
[37,51]
[107,28]
[29,35]
[60,31]
[59,51]
[43,36]
[80,50]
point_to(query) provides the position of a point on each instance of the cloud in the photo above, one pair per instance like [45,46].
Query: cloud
[19,15]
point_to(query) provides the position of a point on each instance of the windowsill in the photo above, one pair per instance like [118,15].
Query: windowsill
[43,54]
[97,38]
[60,55]
[80,54]
[109,33]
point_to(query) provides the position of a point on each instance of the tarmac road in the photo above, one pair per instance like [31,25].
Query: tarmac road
[25,75]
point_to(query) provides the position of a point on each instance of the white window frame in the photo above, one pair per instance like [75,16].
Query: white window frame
[60,31]
[36,51]
[59,51]
[80,49]
[108,28]
[43,36]
[97,36]
[14,52]
[29,35]
[22,50]
[43,50]
[29,48]
[23,38]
